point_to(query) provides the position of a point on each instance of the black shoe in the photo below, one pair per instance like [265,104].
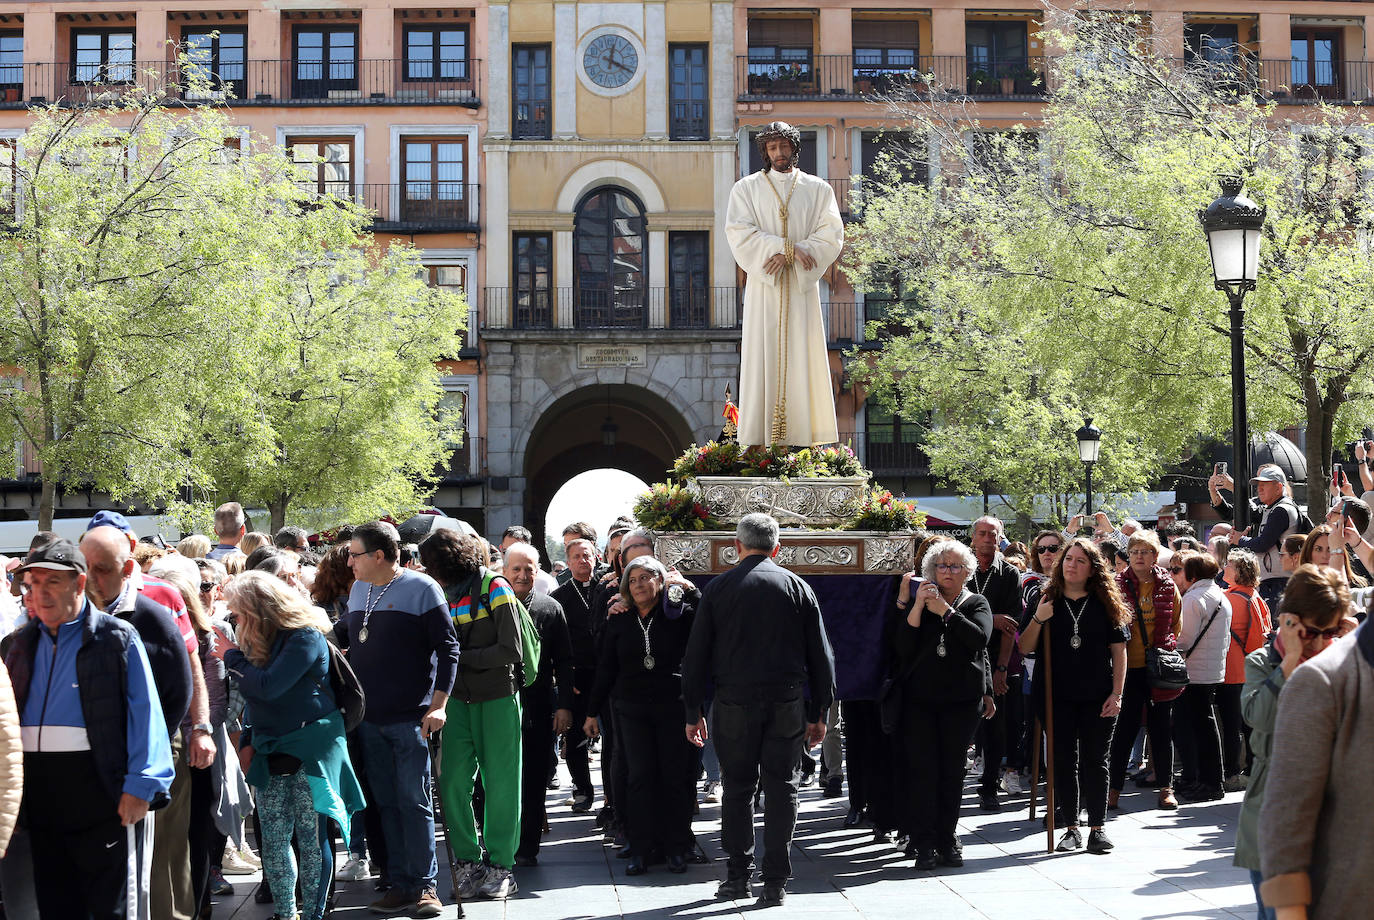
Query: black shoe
[855,817]
[909,850]
[636,865]
[263,894]
[925,858]
[1072,840]
[952,856]
[676,864]
[734,889]
[1098,842]
[581,804]
[554,783]
[624,852]
[773,893]
[1200,793]
[833,788]
[605,817]
[987,801]
[697,856]
[882,835]
[526,862]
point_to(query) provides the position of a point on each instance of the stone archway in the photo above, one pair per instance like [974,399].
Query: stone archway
[567,440]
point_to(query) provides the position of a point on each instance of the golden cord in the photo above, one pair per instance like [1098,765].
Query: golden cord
[779,428]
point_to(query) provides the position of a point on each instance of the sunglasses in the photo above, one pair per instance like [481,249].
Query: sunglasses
[1175,569]
[1307,634]
[206,587]
[1049,548]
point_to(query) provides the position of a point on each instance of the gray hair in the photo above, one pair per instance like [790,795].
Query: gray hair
[640,562]
[945,547]
[1246,564]
[639,533]
[525,550]
[992,519]
[757,531]
[229,519]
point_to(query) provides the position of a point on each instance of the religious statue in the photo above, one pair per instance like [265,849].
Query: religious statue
[785,231]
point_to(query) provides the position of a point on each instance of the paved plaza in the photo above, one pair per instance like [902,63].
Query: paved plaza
[1166,865]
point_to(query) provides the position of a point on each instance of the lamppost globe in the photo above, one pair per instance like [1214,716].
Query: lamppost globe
[1233,223]
[1089,441]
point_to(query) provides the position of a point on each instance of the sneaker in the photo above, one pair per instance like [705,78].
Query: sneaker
[428,905]
[394,901]
[499,884]
[1072,840]
[355,870]
[470,878]
[247,855]
[1011,782]
[581,804]
[218,886]
[712,795]
[234,863]
[1237,783]
[1099,842]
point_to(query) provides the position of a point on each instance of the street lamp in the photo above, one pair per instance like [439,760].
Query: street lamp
[1233,223]
[1089,443]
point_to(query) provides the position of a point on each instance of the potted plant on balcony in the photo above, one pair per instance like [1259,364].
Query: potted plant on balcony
[1027,81]
[980,83]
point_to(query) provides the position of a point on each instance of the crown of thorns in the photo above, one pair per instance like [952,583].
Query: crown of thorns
[773,131]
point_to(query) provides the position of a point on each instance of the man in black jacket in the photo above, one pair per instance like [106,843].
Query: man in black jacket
[1000,584]
[576,598]
[758,637]
[537,701]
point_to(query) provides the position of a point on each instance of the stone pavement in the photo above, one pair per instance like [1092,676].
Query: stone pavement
[1166,865]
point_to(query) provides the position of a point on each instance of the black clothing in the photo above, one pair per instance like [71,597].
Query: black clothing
[960,673]
[753,737]
[536,731]
[620,670]
[1081,674]
[1136,703]
[870,764]
[1081,740]
[167,656]
[576,601]
[574,740]
[758,635]
[1235,734]
[936,736]
[1198,736]
[660,788]
[555,652]
[1000,583]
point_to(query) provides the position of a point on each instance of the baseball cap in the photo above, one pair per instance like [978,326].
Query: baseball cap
[1273,474]
[110,519]
[61,555]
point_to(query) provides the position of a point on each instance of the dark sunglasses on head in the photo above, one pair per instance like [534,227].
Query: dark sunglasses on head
[1049,548]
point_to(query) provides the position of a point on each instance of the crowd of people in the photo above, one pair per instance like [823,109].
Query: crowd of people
[170,704]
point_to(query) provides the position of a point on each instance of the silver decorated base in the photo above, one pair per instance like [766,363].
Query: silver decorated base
[807,552]
[800,502]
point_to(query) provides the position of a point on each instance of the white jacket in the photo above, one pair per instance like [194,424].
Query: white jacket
[1207,662]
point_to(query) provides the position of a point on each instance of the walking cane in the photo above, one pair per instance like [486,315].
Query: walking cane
[1049,740]
[437,799]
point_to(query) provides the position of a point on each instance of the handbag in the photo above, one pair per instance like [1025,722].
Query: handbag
[1165,668]
[347,689]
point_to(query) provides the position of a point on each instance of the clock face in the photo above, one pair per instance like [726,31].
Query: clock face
[610,61]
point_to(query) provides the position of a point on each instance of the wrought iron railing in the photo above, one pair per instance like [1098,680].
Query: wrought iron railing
[423,205]
[659,308]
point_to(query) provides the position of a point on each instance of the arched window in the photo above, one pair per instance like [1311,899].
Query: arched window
[609,243]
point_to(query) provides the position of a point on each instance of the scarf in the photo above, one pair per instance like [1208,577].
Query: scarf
[1163,637]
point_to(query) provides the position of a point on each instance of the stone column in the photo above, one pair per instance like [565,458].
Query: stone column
[498,71]
[565,69]
[655,67]
[723,90]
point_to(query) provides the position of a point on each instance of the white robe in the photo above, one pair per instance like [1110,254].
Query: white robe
[753,227]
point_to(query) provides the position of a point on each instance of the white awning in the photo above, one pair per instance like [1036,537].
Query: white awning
[964,510]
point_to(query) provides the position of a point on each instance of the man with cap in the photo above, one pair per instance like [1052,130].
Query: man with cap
[117,584]
[96,752]
[1278,519]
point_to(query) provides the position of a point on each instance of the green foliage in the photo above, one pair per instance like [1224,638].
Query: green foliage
[881,511]
[188,322]
[672,508]
[727,458]
[1065,275]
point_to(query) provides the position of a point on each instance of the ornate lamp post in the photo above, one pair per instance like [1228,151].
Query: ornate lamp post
[1089,443]
[1233,224]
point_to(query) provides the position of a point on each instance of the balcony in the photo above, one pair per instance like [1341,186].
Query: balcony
[390,82]
[848,324]
[660,309]
[888,457]
[424,207]
[469,460]
[843,77]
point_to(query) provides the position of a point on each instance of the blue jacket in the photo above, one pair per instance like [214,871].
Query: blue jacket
[91,689]
[292,689]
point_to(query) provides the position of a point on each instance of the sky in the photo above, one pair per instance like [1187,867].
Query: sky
[596,496]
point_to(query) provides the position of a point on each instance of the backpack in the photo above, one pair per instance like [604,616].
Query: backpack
[529,633]
[1303,524]
[348,690]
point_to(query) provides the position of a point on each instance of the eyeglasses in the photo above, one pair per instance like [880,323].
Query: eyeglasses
[1044,548]
[364,553]
[949,567]
[206,587]
[1175,569]
[1307,634]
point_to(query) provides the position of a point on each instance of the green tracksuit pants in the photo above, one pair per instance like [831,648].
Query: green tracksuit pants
[482,737]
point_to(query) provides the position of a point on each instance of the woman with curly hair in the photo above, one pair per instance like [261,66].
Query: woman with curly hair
[294,749]
[333,581]
[1088,665]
